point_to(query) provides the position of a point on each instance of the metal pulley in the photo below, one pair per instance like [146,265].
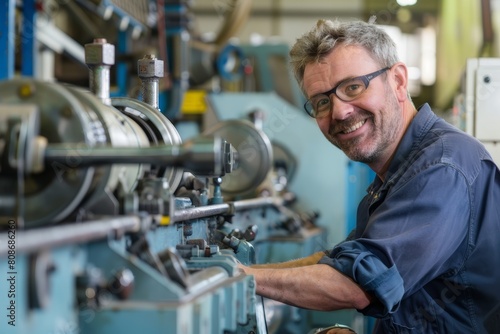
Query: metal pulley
[157,128]
[94,152]
[255,157]
[66,115]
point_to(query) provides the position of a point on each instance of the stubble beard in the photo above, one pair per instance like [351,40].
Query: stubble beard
[385,132]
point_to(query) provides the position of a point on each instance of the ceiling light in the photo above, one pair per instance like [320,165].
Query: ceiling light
[406,2]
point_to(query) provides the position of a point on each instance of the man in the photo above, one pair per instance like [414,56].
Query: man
[425,254]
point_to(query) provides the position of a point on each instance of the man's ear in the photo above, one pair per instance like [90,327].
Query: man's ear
[400,80]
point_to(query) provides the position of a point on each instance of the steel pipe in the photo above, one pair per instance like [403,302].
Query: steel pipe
[201,156]
[33,240]
[225,208]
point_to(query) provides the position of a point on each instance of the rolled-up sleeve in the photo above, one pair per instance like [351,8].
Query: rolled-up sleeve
[354,260]
[406,237]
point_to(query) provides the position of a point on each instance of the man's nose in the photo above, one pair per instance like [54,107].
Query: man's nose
[340,110]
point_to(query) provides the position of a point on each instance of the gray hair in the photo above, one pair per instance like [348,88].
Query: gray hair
[316,44]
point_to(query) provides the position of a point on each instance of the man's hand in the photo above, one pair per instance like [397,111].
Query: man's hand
[242,267]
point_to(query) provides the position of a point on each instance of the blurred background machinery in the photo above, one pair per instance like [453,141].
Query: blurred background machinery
[120,212]
[145,151]
[476,107]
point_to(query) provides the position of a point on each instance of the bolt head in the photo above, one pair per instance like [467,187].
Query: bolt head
[150,68]
[99,53]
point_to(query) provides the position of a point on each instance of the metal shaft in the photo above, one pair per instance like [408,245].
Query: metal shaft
[150,70]
[225,208]
[204,156]
[36,239]
[33,240]
[99,57]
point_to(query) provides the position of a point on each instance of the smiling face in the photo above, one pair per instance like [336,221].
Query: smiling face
[369,128]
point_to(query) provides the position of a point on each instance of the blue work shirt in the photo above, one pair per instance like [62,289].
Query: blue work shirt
[427,239]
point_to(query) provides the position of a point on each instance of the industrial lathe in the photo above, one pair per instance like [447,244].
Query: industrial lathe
[110,223]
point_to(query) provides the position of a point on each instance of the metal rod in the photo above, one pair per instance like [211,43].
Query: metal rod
[225,208]
[33,240]
[168,155]
[253,203]
[50,237]
[99,57]
[150,70]
[202,157]
[202,212]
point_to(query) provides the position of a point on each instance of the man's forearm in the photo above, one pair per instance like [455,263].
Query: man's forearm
[318,287]
[305,261]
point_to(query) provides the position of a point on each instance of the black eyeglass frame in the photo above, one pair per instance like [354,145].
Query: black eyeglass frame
[365,78]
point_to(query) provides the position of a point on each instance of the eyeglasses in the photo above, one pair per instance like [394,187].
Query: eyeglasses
[320,105]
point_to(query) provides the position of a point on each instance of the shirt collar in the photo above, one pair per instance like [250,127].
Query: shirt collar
[418,128]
